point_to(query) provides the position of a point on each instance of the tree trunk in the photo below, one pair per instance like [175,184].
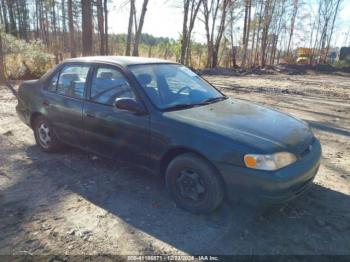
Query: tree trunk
[268,12]
[87,27]
[251,57]
[64,25]
[295,11]
[233,49]
[1,17]
[37,19]
[184,32]
[216,49]
[206,14]
[246,30]
[135,19]
[188,60]
[166,52]
[150,51]
[139,29]
[54,23]
[47,34]
[193,15]
[100,22]
[2,68]
[210,13]
[314,46]
[129,36]
[106,26]
[73,52]
[256,55]
[332,28]
[11,12]
[6,23]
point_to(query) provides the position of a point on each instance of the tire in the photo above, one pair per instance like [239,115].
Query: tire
[194,184]
[43,131]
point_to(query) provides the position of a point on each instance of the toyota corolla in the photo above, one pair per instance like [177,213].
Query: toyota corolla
[165,117]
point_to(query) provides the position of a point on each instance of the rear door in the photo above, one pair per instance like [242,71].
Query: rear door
[110,131]
[64,102]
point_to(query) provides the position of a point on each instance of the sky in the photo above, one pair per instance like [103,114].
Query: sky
[164,18]
[344,23]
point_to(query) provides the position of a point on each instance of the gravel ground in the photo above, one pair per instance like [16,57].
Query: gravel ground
[78,203]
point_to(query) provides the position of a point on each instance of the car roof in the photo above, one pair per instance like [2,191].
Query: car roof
[120,60]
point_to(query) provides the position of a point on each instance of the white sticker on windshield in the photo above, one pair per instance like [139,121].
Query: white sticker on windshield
[188,71]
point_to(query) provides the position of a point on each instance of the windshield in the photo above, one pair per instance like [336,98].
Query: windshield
[172,86]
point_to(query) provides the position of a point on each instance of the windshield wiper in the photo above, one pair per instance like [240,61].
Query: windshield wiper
[213,100]
[205,102]
[179,106]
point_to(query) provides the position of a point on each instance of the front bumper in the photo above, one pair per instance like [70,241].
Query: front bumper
[257,186]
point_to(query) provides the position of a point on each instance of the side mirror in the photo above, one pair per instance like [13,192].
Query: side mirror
[129,104]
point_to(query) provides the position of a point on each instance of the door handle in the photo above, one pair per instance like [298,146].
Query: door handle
[90,115]
[46,103]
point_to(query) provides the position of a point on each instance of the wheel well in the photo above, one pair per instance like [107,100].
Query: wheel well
[174,152]
[33,117]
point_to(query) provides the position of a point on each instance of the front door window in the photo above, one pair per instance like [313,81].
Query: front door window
[108,84]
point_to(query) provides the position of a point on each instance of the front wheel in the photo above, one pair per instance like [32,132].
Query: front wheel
[45,137]
[194,184]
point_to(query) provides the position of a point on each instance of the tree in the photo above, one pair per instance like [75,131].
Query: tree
[139,28]
[86,26]
[64,24]
[101,27]
[4,15]
[11,13]
[255,53]
[269,29]
[129,35]
[231,36]
[73,52]
[268,12]
[106,26]
[212,9]
[278,22]
[292,24]
[2,70]
[323,29]
[190,8]
[246,29]
[1,15]
[332,28]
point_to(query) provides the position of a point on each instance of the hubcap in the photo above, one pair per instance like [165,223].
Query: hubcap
[190,185]
[44,135]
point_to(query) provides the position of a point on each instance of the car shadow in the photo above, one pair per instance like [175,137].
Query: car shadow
[315,223]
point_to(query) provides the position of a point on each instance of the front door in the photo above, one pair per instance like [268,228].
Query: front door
[110,131]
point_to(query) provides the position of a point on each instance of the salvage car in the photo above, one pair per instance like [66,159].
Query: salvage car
[163,116]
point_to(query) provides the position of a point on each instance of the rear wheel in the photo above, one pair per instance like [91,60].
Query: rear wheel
[45,137]
[194,184]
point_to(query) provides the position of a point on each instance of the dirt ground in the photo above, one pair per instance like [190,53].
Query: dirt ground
[77,203]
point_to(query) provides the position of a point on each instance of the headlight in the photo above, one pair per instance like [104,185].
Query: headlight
[269,162]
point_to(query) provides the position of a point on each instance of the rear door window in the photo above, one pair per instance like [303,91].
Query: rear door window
[72,80]
[52,84]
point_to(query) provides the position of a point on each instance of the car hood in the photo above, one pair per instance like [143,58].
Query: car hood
[260,127]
